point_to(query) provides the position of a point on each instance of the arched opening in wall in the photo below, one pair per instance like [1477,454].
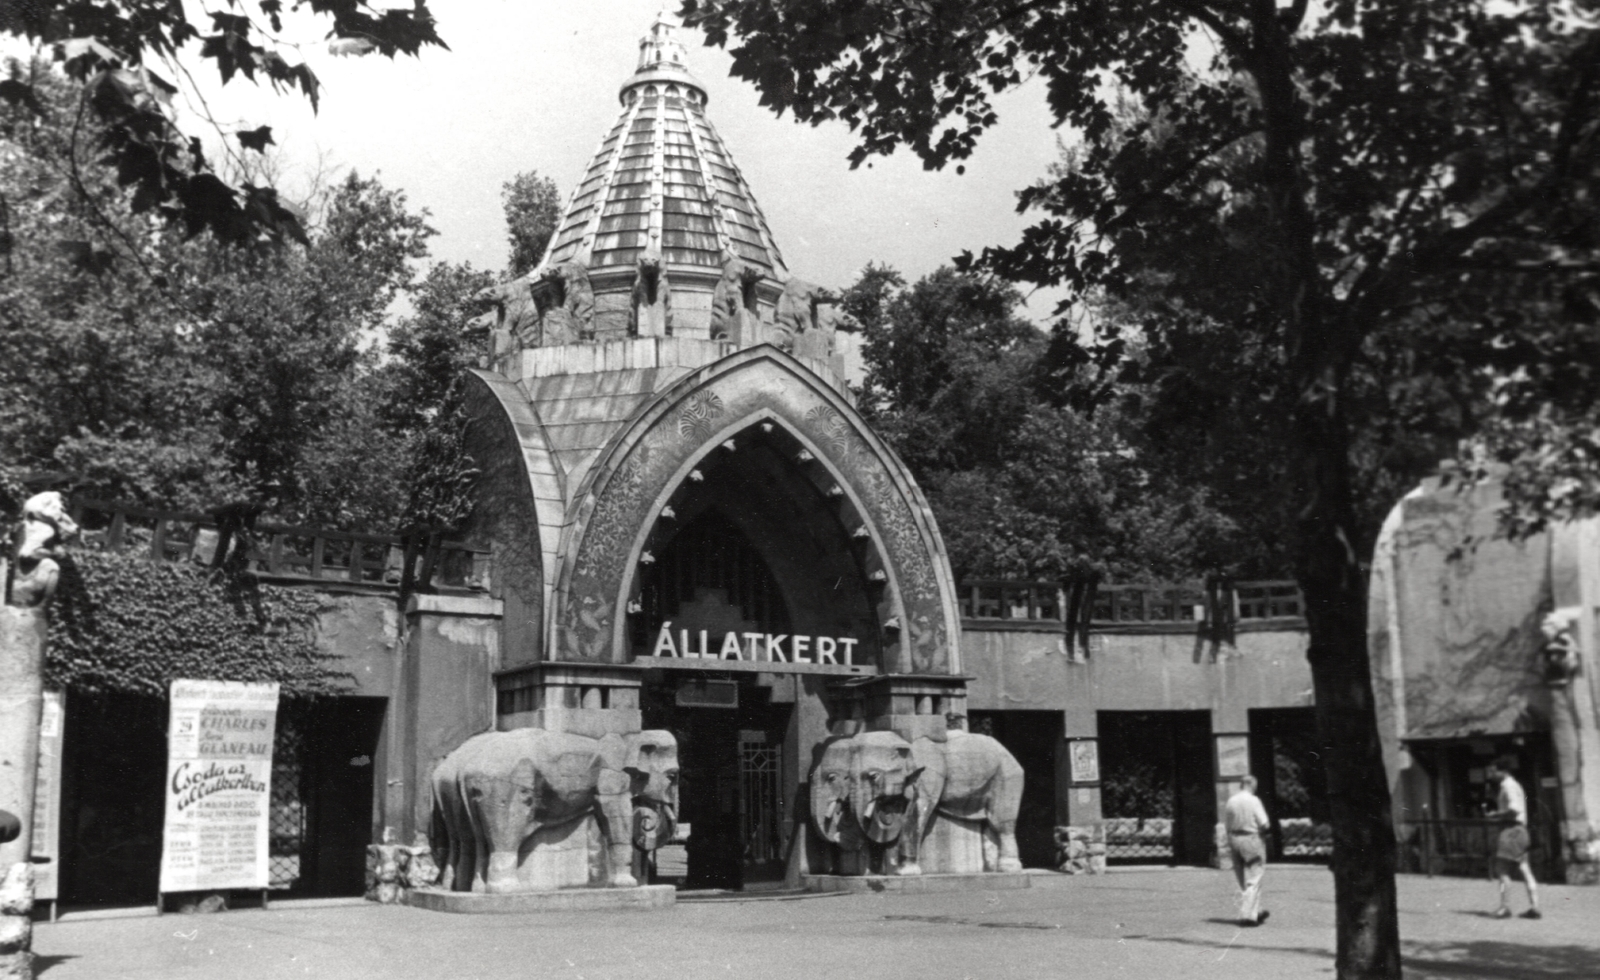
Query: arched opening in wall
[760,540]
[757,558]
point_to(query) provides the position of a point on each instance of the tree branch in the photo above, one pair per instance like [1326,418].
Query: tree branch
[1213,20]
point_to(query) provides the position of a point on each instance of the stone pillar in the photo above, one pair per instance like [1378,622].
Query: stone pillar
[912,706]
[582,698]
[1231,764]
[1080,817]
[444,697]
[22,638]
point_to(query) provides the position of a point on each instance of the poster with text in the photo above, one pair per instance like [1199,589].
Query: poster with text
[219,785]
[47,799]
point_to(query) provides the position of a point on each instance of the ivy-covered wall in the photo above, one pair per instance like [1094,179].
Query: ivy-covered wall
[120,623]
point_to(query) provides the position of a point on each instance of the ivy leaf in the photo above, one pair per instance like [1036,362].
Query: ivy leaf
[255,139]
[86,257]
[20,93]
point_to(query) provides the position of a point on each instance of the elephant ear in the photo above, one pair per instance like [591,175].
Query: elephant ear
[828,811]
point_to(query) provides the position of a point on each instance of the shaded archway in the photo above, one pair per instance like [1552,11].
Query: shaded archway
[615,512]
[755,541]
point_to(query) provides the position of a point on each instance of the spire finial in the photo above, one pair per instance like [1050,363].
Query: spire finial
[662,57]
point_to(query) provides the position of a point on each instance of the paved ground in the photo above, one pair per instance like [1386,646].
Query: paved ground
[1129,923]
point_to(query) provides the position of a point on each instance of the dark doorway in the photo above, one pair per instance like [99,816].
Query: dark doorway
[1034,738]
[114,766]
[1289,762]
[338,755]
[1158,786]
[1450,836]
[731,784]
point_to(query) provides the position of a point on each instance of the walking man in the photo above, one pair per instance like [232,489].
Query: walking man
[1511,849]
[1246,822]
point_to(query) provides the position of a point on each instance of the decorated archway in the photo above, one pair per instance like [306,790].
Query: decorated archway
[760,420]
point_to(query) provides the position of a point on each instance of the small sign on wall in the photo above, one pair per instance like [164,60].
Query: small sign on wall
[1233,756]
[47,798]
[1084,755]
[696,693]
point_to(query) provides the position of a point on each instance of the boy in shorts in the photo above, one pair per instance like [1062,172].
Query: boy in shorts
[1511,849]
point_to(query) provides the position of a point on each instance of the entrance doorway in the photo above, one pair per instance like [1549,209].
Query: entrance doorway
[1158,786]
[1289,762]
[114,771]
[323,796]
[1451,836]
[731,786]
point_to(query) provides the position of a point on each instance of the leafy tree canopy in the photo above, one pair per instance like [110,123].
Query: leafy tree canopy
[532,207]
[188,373]
[1023,486]
[1332,189]
[123,56]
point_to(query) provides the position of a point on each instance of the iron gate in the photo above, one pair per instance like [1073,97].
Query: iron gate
[761,801]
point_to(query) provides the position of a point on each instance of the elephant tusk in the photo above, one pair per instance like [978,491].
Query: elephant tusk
[871,808]
[830,817]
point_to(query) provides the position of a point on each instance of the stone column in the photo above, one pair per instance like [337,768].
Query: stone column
[445,696]
[22,636]
[1080,817]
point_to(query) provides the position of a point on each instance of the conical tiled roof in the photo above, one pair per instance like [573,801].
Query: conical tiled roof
[663,176]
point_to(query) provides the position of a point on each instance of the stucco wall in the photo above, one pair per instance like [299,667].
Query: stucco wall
[1017,670]
[362,631]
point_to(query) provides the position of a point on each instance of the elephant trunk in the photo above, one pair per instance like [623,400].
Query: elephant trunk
[827,806]
[501,875]
[882,805]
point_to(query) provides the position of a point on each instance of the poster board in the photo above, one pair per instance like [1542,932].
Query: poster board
[1084,754]
[219,785]
[47,798]
[1233,755]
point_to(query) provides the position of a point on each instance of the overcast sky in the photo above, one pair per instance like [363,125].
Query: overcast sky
[532,85]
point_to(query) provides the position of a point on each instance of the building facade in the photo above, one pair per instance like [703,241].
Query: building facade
[682,523]
[1482,648]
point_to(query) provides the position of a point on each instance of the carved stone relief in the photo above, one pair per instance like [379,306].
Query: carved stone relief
[623,490]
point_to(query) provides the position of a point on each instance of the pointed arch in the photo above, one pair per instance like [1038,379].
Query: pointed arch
[612,513]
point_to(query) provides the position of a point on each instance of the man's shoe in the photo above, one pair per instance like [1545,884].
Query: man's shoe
[1262,918]
[1502,913]
[1250,923]
[1532,914]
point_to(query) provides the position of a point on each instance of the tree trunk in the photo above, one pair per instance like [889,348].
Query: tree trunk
[1335,586]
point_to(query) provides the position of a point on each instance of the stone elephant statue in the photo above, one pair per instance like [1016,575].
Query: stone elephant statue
[498,789]
[876,787]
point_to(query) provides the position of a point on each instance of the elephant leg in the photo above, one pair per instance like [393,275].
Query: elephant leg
[442,841]
[455,834]
[1007,803]
[1010,862]
[614,814]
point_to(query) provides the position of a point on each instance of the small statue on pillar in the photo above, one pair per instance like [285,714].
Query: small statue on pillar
[734,312]
[516,314]
[652,297]
[1560,648]
[566,304]
[796,328]
[45,526]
